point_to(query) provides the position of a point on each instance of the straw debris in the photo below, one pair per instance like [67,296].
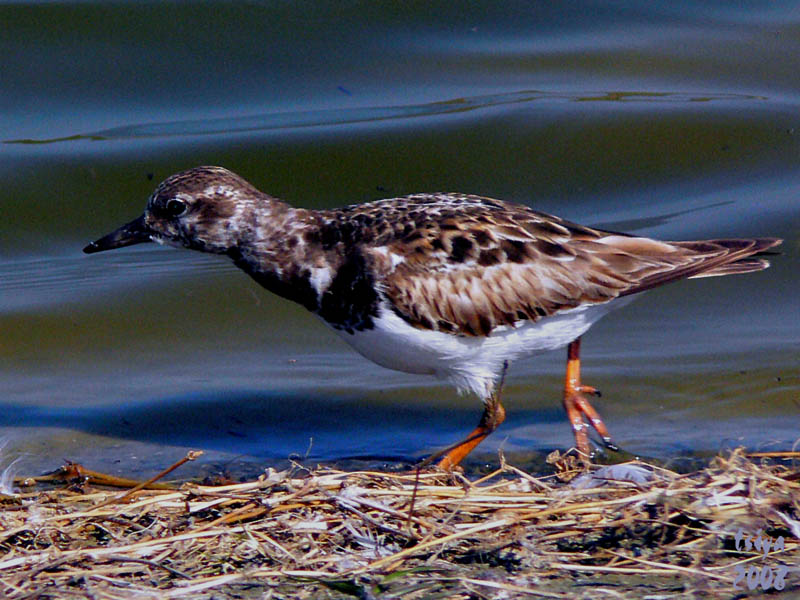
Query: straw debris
[625,531]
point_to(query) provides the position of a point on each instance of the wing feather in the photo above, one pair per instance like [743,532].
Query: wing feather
[467,265]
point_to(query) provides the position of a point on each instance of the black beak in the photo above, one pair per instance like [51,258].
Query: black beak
[129,234]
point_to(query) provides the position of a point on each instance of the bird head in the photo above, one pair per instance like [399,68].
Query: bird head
[203,209]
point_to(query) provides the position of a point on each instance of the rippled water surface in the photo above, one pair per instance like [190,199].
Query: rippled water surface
[670,119]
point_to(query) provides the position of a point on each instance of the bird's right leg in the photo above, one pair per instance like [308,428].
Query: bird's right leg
[578,408]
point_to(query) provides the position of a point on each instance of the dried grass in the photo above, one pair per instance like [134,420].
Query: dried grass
[325,533]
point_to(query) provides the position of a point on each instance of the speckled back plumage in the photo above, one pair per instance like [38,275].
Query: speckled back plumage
[466,264]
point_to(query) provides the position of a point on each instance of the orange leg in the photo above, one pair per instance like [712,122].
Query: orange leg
[577,406]
[493,415]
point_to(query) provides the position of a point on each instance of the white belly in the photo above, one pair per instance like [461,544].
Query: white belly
[469,363]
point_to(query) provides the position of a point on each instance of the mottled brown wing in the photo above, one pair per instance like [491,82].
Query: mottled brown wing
[483,263]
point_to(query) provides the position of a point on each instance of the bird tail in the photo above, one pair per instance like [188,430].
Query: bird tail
[743,256]
[711,258]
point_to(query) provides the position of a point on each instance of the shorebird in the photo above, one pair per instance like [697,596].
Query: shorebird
[445,284]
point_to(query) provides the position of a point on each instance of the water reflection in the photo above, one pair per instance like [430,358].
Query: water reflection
[345,116]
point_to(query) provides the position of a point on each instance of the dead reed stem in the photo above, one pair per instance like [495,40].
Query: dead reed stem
[329,533]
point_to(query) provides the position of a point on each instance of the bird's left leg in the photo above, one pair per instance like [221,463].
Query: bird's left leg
[493,415]
[578,408]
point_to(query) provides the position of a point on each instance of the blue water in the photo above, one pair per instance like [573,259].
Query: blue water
[672,119]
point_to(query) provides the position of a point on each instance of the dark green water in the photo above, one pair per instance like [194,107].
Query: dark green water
[670,119]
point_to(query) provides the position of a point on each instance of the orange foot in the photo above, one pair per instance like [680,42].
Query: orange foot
[493,415]
[578,408]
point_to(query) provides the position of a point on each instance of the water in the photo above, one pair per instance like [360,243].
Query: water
[675,120]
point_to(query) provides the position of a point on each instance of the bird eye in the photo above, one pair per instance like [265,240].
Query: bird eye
[175,207]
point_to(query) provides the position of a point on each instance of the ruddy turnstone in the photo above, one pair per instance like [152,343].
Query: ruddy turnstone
[451,285]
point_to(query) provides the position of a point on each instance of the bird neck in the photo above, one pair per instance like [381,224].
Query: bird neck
[280,249]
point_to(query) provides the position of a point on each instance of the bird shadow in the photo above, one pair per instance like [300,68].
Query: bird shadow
[270,425]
